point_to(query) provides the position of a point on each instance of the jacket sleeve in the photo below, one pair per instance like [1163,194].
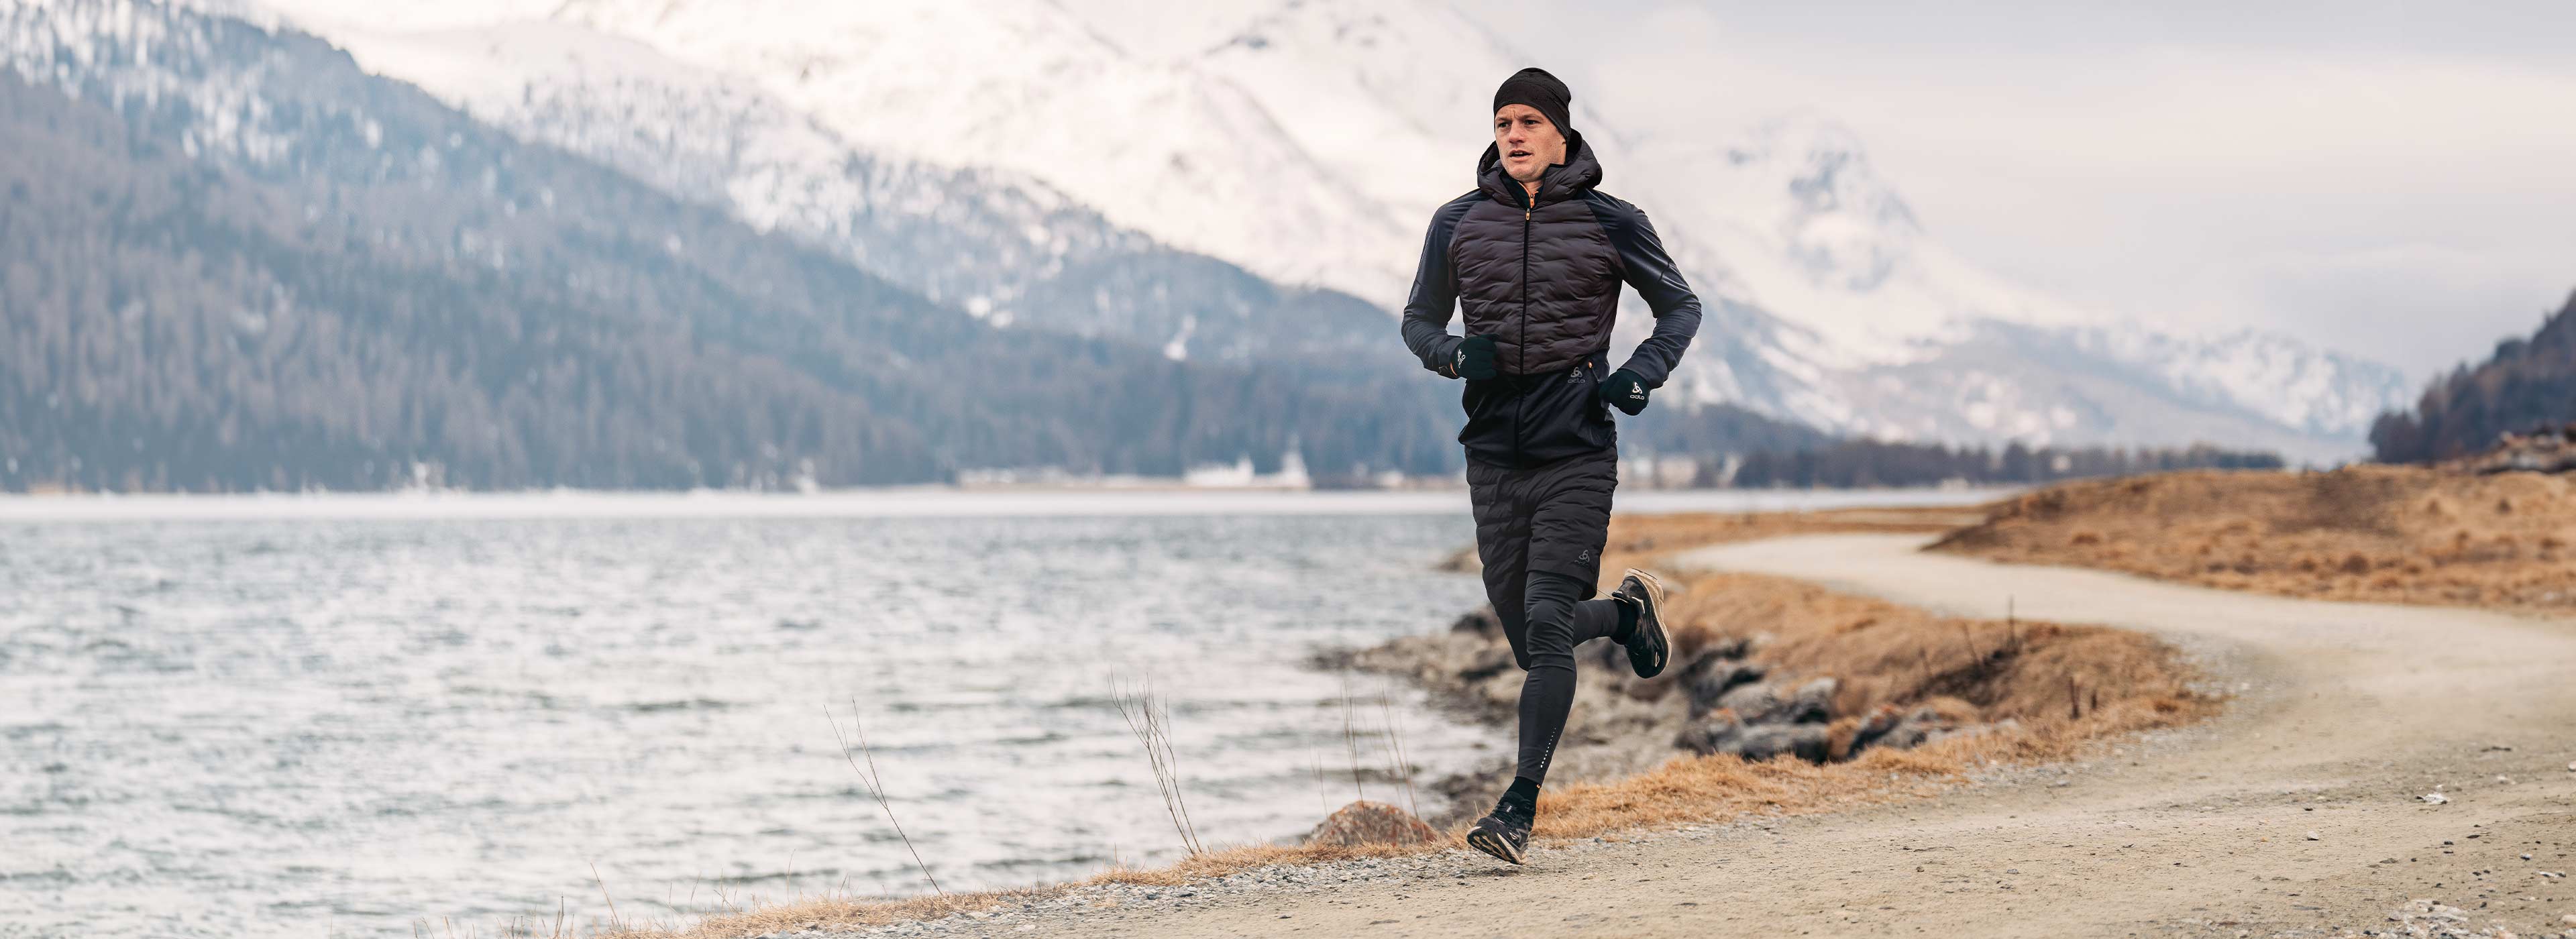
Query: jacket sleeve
[1645,266]
[1435,294]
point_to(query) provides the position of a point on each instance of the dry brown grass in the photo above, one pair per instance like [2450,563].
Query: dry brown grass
[1633,537]
[2038,674]
[2378,533]
[1980,671]
[1642,536]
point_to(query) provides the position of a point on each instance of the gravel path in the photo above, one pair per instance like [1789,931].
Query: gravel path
[2299,813]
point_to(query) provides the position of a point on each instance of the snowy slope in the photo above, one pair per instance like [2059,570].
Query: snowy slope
[1002,246]
[1024,85]
[1308,140]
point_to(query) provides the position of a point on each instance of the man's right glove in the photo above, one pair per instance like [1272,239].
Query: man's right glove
[1474,358]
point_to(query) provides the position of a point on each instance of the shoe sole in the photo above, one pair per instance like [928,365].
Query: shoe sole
[1493,844]
[1655,604]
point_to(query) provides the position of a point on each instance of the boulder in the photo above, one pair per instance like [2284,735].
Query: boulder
[1366,823]
[1895,729]
[1480,621]
[1486,663]
[1807,742]
[1752,703]
[1723,733]
[1765,703]
[1704,735]
[1814,702]
[1714,678]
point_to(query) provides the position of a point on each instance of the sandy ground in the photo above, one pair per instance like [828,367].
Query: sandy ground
[2346,714]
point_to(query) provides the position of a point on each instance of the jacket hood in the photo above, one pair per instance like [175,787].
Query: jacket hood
[1559,182]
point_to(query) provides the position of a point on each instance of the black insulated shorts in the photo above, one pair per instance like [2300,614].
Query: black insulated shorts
[1550,517]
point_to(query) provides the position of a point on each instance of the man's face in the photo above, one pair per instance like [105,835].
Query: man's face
[1528,140]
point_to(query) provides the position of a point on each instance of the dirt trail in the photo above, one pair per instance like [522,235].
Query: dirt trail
[2345,715]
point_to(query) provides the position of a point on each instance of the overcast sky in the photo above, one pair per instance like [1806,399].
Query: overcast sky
[2396,180]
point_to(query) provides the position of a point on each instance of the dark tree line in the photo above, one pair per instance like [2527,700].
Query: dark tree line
[2527,384]
[1879,463]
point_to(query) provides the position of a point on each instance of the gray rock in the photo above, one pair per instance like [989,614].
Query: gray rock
[1724,733]
[1707,734]
[1896,729]
[1765,703]
[1761,742]
[1713,679]
[1753,703]
[1487,663]
[1814,702]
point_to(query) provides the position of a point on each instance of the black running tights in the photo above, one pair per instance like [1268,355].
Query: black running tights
[1551,620]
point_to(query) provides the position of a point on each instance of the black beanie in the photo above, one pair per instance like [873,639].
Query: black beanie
[1540,90]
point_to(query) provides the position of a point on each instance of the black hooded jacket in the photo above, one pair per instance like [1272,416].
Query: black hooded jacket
[1541,275]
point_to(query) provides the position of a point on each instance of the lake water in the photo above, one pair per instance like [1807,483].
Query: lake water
[354,714]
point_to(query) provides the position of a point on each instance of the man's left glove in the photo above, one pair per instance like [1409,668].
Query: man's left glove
[1625,391]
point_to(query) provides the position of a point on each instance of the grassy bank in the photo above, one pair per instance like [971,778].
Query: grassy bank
[2391,534]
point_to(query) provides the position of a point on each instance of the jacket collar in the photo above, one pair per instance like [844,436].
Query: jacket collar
[1559,182]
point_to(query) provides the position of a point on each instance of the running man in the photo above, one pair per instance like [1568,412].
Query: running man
[1535,256]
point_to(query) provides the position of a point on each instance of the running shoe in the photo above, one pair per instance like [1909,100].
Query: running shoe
[1648,649]
[1505,833]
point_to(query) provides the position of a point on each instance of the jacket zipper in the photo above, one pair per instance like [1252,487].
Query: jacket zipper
[1520,342]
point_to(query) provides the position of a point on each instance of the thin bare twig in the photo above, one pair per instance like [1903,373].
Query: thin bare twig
[603,894]
[1395,744]
[1350,739]
[1150,720]
[875,784]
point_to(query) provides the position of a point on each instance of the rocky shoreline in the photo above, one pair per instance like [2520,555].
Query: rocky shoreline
[1718,698]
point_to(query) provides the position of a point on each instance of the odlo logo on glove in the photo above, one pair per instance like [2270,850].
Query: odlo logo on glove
[1625,391]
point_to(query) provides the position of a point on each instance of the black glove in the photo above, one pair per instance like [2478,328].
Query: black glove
[1625,391]
[1474,358]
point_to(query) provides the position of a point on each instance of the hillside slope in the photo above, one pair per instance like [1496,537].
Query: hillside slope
[2526,384]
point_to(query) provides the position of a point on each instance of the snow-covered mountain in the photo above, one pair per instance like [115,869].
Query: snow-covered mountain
[1002,246]
[1895,335]
[1307,141]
